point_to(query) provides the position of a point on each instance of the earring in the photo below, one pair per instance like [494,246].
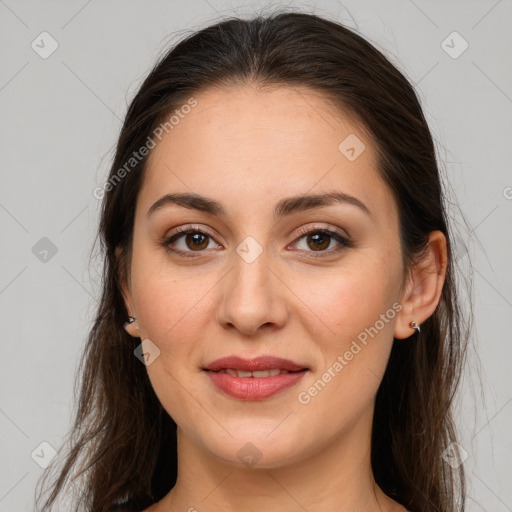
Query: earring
[414,325]
[132,330]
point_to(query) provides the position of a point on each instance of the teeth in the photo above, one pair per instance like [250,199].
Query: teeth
[267,373]
[260,373]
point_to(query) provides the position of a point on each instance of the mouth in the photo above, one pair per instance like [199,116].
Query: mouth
[243,374]
[254,379]
[257,364]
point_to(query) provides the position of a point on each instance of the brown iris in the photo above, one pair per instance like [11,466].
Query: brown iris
[322,241]
[195,239]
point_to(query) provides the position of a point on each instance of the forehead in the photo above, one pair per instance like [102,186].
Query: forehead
[248,144]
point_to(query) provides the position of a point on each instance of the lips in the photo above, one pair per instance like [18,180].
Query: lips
[261,363]
[254,379]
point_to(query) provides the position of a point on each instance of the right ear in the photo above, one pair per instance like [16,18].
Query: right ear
[131,328]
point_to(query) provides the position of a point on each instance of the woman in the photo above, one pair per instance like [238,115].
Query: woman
[279,327]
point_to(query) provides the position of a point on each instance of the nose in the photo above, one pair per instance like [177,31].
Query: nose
[253,297]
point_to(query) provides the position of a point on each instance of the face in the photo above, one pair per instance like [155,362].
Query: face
[259,274]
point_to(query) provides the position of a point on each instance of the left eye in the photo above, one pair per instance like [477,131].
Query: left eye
[320,240]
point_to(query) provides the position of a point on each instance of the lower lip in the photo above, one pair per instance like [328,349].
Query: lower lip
[254,388]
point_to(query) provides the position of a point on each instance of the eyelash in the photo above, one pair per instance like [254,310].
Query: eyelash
[184,230]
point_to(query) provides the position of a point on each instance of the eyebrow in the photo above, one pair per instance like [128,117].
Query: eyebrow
[283,208]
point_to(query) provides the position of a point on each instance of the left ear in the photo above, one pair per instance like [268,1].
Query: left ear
[424,286]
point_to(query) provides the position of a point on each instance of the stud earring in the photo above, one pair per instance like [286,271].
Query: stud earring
[414,325]
[127,325]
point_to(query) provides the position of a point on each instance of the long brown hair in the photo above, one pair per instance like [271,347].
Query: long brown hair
[123,444]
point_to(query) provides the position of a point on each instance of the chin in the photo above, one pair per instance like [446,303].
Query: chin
[258,447]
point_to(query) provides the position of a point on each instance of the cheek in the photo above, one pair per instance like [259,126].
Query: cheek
[169,299]
[345,301]
[174,308]
[174,313]
[357,306]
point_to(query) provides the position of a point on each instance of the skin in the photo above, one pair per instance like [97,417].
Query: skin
[248,148]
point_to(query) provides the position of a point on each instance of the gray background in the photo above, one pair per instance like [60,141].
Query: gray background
[60,119]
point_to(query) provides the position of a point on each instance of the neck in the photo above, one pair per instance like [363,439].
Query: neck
[338,477]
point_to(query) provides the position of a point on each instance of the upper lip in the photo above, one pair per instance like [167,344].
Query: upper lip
[258,363]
